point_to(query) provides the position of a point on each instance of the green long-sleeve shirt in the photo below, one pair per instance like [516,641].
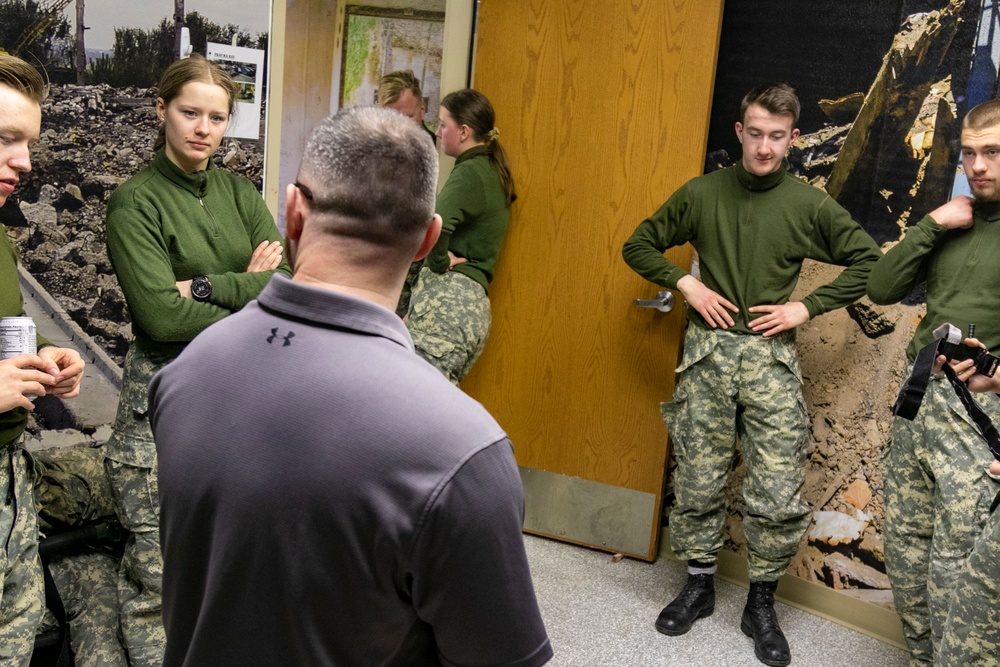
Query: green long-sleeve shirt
[475,218]
[165,225]
[752,234]
[960,267]
[12,422]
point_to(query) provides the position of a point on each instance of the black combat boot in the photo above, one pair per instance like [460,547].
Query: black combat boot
[761,623]
[697,600]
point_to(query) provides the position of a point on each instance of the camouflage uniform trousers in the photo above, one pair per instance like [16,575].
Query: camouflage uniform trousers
[972,631]
[938,497]
[739,385]
[87,580]
[72,488]
[131,468]
[403,306]
[20,567]
[449,321]
[73,491]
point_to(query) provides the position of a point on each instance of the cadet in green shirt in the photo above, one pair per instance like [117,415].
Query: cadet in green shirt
[55,371]
[449,315]
[190,244]
[937,491]
[400,90]
[752,224]
[972,631]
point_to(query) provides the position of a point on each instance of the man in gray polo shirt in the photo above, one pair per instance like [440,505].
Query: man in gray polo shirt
[328,498]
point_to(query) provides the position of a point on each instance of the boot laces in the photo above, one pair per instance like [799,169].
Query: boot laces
[765,599]
[692,590]
[762,607]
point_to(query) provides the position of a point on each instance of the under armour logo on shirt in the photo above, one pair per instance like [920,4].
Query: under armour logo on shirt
[287,339]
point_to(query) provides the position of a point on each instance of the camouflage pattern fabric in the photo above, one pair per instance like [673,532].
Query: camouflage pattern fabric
[937,502]
[72,491]
[731,386]
[130,462]
[140,575]
[972,632]
[20,568]
[403,307]
[87,582]
[449,321]
[131,439]
[72,488]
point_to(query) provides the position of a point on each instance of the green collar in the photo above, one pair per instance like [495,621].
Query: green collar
[196,183]
[988,210]
[752,182]
[471,153]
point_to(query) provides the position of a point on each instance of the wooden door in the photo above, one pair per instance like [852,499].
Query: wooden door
[603,108]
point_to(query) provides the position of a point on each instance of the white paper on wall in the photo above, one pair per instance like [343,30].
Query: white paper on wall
[247,68]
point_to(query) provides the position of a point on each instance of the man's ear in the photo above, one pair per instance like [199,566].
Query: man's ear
[430,238]
[293,212]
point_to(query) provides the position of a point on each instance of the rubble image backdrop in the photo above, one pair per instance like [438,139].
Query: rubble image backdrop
[883,86]
[98,128]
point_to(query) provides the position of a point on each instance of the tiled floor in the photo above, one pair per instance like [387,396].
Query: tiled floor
[601,613]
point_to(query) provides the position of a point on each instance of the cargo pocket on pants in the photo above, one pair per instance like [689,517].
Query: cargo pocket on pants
[674,412]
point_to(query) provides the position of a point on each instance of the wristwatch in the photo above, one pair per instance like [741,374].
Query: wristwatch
[201,288]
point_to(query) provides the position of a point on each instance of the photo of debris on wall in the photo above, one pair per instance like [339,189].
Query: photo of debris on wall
[883,87]
[98,127]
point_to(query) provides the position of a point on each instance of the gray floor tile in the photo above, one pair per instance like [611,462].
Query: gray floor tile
[601,613]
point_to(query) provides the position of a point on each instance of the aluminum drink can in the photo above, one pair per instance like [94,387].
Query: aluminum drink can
[17,336]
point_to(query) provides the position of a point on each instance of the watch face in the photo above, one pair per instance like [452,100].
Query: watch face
[201,288]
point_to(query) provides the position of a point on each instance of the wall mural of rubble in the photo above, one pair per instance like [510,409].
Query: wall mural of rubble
[883,85]
[93,138]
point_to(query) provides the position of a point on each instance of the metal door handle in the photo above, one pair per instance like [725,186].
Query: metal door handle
[664,302]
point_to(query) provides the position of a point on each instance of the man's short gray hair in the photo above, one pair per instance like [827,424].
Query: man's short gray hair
[372,173]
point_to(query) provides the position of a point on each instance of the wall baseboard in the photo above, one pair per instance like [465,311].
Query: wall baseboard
[868,619]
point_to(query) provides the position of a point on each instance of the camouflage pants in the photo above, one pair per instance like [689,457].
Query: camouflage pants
[403,307]
[449,321]
[140,574]
[87,583]
[736,385]
[131,469]
[972,631]
[72,488]
[20,568]
[937,502]
[72,491]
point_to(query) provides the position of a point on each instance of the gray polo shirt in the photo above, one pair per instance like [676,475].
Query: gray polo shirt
[329,498]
